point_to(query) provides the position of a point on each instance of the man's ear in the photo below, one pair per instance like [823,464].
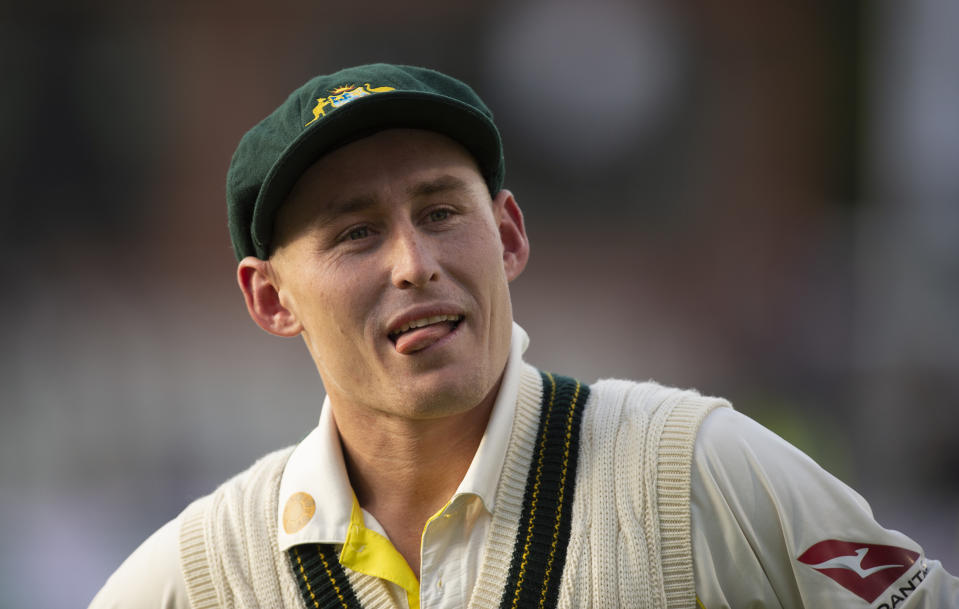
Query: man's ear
[258,283]
[512,233]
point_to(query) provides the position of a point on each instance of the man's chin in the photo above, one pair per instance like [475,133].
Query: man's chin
[434,398]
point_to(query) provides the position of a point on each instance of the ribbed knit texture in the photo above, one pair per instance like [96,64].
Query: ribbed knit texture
[228,543]
[629,545]
[509,496]
[539,553]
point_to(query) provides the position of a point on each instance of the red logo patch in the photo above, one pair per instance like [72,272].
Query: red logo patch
[865,569]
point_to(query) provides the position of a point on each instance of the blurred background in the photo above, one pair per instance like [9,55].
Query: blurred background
[759,200]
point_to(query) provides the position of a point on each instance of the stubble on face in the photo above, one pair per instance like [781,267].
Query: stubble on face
[396,226]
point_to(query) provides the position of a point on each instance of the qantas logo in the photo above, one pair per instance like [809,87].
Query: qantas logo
[854,564]
[865,569]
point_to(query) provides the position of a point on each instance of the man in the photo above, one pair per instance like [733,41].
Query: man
[368,216]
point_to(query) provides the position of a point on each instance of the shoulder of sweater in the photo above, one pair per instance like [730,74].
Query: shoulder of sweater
[650,394]
[242,511]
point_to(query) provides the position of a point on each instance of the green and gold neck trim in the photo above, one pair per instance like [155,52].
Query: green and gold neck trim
[542,535]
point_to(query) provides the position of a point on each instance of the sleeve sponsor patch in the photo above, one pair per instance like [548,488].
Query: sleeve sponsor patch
[865,569]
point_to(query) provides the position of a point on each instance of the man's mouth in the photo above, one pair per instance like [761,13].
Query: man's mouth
[421,333]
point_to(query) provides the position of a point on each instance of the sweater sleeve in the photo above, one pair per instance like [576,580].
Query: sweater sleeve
[773,529]
[150,578]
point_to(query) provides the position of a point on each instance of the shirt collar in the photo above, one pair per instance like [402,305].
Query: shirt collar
[316,498]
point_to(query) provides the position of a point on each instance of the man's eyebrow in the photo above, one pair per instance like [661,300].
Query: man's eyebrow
[444,183]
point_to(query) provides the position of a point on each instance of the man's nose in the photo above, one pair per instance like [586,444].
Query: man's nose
[414,263]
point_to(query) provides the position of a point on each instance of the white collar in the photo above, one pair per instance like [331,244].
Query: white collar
[316,467]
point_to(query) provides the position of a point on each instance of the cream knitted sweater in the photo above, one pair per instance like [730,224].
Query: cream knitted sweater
[629,541]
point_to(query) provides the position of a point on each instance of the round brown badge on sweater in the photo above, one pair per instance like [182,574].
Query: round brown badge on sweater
[299,510]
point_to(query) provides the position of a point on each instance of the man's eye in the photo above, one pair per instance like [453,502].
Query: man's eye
[360,232]
[438,215]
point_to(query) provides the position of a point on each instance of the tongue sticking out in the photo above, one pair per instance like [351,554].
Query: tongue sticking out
[418,339]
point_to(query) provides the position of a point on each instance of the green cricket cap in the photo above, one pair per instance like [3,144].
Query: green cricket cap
[333,110]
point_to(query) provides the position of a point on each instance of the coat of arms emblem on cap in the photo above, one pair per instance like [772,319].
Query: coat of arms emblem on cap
[344,95]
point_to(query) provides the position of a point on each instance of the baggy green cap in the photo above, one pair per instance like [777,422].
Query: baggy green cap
[331,111]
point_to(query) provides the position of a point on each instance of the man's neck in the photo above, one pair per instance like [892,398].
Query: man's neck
[404,471]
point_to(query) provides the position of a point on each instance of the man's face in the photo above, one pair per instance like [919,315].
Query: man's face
[394,262]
